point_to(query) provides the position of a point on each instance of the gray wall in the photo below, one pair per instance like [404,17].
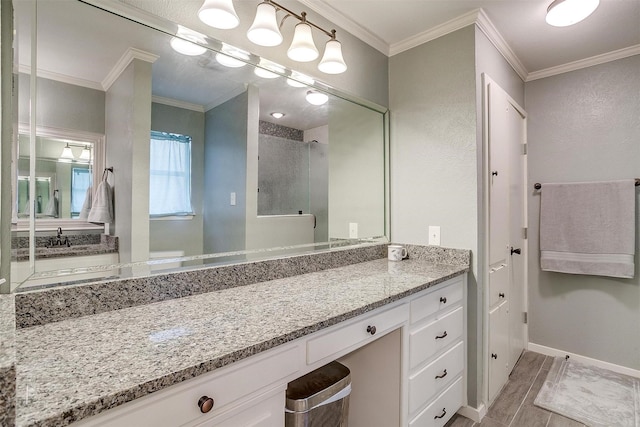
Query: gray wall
[62,105]
[6,115]
[128,126]
[186,235]
[366,77]
[584,126]
[225,159]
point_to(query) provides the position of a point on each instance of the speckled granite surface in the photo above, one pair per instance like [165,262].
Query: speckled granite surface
[7,361]
[79,367]
[106,244]
[267,128]
[55,304]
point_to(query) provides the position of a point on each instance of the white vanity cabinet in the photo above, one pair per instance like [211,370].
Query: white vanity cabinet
[251,392]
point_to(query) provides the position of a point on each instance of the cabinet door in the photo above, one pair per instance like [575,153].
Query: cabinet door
[498,348]
[498,284]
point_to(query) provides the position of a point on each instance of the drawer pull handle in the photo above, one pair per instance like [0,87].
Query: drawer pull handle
[501,295]
[205,404]
[444,374]
[371,330]
[444,412]
[439,337]
[443,300]
[494,356]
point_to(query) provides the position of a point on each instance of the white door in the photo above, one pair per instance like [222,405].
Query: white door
[505,290]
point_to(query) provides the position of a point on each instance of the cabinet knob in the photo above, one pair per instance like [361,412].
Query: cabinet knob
[205,404]
[371,330]
[516,251]
[443,300]
[501,295]
[444,335]
[444,412]
[494,173]
[444,374]
[494,356]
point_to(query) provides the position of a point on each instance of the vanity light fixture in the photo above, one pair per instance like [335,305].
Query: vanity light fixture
[316,98]
[85,154]
[268,70]
[562,13]
[302,48]
[185,42]
[219,14]
[265,30]
[277,115]
[297,79]
[67,154]
[232,57]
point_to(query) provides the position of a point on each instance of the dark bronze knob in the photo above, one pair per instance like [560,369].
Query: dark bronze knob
[443,300]
[444,412]
[444,374]
[494,356]
[205,404]
[515,251]
[494,173]
[371,330]
[444,335]
[501,295]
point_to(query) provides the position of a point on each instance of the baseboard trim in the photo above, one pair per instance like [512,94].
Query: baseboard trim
[549,351]
[474,414]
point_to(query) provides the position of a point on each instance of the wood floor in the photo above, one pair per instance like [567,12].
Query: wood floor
[514,405]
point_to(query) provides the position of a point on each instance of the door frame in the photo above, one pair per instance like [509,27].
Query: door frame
[484,267]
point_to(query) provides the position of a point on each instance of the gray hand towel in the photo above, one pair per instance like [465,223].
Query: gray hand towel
[588,228]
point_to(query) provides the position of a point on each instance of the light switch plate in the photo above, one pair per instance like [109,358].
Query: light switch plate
[434,235]
[232,199]
[353,230]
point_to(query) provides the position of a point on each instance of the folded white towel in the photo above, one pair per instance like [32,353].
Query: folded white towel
[588,228]
[102,203]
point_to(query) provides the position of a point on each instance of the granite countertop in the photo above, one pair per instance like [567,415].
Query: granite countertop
[104,245]
[76,368]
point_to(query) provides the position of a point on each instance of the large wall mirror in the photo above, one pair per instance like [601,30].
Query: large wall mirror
[209,150]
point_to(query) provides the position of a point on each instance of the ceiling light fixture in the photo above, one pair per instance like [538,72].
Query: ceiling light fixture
[185,42]
[277,115]
[232,57]
[562,13]
[219,14]
[67,154]
[316,98]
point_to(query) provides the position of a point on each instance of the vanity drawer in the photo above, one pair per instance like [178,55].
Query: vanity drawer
[433,378]
[355,334]
[178,405]
[427,341]
[442,409]
[450,294]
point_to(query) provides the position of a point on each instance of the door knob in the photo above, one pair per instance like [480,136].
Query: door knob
[515,251]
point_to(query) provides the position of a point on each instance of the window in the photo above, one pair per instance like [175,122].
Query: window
[80,182]
[170,175]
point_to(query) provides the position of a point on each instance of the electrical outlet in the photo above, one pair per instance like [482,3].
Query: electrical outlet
[434,235]
[232,199]
[353,230]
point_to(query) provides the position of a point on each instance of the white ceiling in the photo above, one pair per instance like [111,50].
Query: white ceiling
[392,26]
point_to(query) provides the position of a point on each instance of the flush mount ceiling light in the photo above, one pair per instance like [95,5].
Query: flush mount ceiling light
[67,154]
[232,57]
[316,98]
[562,13]
[185,42]
[219,14]
[268,70]
[299,80]
[277,115]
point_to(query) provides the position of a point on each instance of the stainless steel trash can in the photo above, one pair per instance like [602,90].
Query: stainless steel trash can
[320,398]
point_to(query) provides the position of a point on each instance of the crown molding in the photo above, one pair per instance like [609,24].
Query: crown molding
[349,25]
[63,78]
[177,103]
[124,61]
[584,63]
[224,97]
[486,26]
[438,31]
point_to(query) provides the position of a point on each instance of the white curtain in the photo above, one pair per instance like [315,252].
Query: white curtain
[170,174]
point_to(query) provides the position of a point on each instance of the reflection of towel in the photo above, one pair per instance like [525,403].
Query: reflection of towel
[27,207]
[86,205]
[102,203]
[588,228]
[52,206]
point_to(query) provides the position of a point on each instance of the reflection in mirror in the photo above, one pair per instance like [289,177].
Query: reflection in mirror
[315,173]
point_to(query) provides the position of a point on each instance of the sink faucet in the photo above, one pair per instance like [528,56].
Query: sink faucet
[59,241]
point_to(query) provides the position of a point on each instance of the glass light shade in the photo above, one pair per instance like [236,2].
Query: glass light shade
[67,153]
[277,115]
[299,80]
[316,98]
[562,13]
[230,56]
[332,61]
[85,154]
[302,48]
[264,31]
[185,42]
[219,14]
[269,69]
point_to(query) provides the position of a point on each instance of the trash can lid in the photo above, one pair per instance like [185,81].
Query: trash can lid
[317,386]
